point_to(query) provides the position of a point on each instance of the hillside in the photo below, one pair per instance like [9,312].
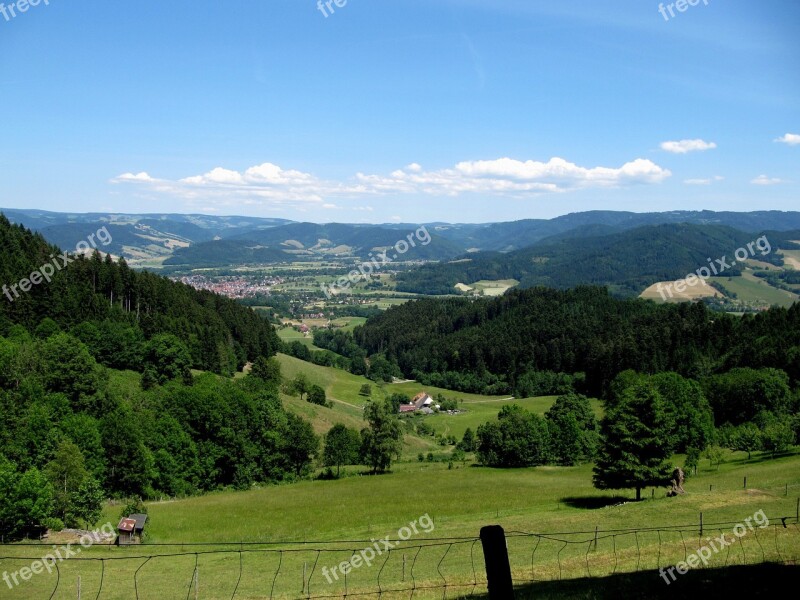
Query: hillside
[150,239]
[225,253]
[627,262]
[221,335]
[515,235]
[508,344]
[144,240]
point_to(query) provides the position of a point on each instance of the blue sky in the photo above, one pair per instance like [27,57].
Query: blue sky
[389,110]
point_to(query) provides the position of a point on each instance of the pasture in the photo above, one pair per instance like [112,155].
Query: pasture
[554,500]
[755,291]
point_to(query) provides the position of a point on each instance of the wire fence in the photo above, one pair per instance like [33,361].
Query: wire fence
[433,568]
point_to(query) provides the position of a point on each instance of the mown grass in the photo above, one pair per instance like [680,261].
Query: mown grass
[749,288]
[460,501]
[289,335]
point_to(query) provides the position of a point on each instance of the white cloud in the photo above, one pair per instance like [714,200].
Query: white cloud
[706,181]
[218,175]
[791,139]
[685,146]
[270,184]
[764,180]
[506,176]
[141,177]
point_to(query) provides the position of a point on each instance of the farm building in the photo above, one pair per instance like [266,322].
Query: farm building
[421,402]
[131,529]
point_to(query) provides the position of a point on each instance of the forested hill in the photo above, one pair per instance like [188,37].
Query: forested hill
[517,343]
[114,309]
[626,262]
[296,240]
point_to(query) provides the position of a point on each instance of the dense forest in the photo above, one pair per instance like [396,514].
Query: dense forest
[98,397]
[626,262]
[519,343]
[296,240]
[116,310]
[73,433]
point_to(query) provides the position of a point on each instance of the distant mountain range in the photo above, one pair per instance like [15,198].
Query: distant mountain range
[515,235]
[627,262]
[624,248]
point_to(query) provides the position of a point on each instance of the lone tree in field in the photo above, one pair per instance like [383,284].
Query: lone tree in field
[316,395]
[342,446]
[636,444]
[300,385]
[382,440]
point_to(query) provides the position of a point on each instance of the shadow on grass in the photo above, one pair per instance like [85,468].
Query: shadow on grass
[758,581]
[595,502]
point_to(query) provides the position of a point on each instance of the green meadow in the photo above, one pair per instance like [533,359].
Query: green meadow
[751,289]
[357,509]
[274,541]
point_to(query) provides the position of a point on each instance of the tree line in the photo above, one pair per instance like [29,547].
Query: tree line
[543,341]
[648,419]
[119,310]
[73,431]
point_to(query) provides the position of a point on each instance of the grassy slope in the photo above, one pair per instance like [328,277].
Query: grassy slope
[343,389]
[460,501]
[290,335]
[752,289]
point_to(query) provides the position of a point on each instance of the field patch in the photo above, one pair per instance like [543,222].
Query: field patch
[700,290]
[487,287]
[791,258]
[756,292]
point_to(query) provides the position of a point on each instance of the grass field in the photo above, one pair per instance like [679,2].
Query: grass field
[459,502]
[700,290]
[255,542]
[289,335]
[488,287]
[344,390]
[751,289]
[791,258]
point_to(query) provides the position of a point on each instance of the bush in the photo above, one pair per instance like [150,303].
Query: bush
[53,524]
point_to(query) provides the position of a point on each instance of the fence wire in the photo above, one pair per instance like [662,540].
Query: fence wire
[433,568]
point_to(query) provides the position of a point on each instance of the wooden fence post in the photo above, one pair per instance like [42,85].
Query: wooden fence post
[498,567]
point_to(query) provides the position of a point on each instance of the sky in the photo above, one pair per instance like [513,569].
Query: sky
[399,110]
